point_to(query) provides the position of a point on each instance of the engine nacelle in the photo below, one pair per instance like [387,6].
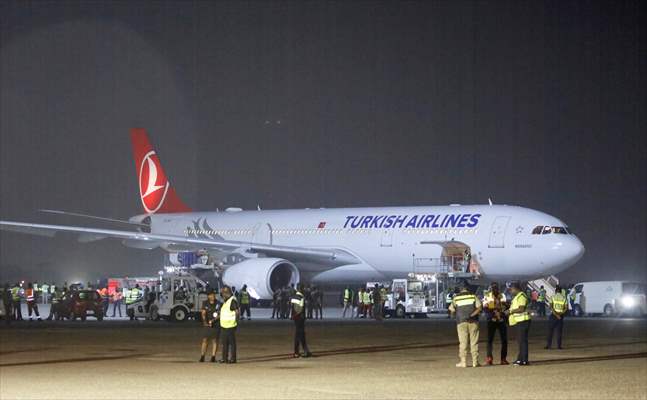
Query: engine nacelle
[261,275]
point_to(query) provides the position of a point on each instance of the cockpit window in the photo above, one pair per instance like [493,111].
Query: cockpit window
[545,230]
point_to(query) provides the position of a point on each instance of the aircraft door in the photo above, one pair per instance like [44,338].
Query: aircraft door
[386,239]
[262,234]
[497,236]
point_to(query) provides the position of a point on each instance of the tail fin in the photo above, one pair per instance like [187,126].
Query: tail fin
[155,190]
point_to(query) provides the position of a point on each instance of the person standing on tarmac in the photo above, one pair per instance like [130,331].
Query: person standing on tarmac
[377,303]
[6,301]
[298,312]
[559,308]
[229,315]
[32,305]
[211,323]
[17,307]
[319,301]
[519,318]
[276,304]
[541,302]
[347,298]
[467,307]
[495,305]
[54,309]
[244,303]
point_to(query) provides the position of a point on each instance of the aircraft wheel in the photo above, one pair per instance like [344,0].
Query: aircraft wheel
[154,313]
[400,312]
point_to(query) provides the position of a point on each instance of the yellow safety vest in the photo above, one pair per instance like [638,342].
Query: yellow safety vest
[244,297]
[347,295]
[367,298]
[558,303]
[489,299]
[15,293]
[228,317]
[520,300]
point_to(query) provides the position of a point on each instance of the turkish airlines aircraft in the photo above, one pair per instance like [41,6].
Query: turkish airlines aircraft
[269,249]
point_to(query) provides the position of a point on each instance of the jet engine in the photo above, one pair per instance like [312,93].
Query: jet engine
[261,275]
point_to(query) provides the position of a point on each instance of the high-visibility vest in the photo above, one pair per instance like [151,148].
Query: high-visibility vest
[383,294]
[29,293]
[360,297]
[15,293]
[244,297]
[542,296]
[558,303]
[228,317]
[52,289]
[520,300]
[490,300]
[464,305]
[367,298]
[347,295]
[45,288]
[572,295]
[133,295]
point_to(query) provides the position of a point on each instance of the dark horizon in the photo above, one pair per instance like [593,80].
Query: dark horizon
[324,104]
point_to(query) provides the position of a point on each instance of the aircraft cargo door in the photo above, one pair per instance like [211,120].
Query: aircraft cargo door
[497,236]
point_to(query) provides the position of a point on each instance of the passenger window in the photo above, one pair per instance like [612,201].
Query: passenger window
[537,230]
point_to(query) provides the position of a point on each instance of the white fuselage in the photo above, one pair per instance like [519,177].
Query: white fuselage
[389,240]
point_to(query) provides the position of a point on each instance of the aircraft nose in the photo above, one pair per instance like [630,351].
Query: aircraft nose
[574,250]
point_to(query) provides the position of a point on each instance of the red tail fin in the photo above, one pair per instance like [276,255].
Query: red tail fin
[155,190]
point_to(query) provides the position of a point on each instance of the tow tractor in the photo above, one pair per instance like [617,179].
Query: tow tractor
[177,297]
[407,298]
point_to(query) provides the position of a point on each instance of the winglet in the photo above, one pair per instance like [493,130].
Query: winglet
[155,190]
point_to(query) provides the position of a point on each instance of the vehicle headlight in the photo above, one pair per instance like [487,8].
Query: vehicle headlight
[628,301]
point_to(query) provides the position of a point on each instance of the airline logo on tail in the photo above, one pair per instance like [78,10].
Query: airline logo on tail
[152,186]
[155,191]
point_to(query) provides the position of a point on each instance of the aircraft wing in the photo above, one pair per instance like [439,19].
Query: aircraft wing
[326,257]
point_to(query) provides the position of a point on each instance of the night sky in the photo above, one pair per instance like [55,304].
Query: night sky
[324,104]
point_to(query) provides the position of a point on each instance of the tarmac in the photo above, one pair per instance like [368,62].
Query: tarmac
[358,359]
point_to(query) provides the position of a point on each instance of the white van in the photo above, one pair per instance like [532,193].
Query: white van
[609,298]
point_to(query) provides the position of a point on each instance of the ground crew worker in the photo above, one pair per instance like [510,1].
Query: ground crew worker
[360,303]
[318,298]
[308,301]
[211,324]
[229,314]
[54,308]
[244,303]
[347,301]
[298,315]
[448,301]
[572,296]
[467,307]
[495,305]
[30,295]
[44,289]
[377,303]
[541,299]
[519,318]
[558,307]
[133,296]
[7,301]
[276,304]
[17,307]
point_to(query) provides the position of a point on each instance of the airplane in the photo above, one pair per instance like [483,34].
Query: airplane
[269,249]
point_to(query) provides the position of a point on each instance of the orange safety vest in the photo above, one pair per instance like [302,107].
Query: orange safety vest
[30,294]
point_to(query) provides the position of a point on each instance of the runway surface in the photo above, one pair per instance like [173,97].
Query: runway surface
[603,358]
